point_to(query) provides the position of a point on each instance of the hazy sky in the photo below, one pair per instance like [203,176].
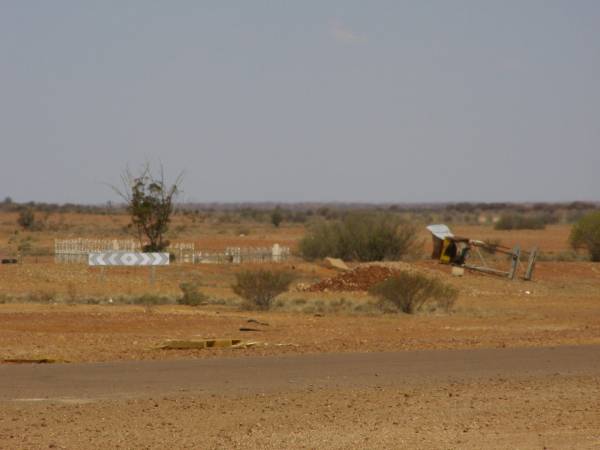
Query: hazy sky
[303,101]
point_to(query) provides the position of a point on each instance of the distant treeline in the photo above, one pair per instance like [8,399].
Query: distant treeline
[403,207]
[300,212]
[521,207]
[8,204]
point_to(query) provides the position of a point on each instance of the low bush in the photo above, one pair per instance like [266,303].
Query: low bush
[260,287]
[586,234]
[26,219]
[561,256]
[360,237]
[72,295]
[150,300]
[409,293]
[328,306]
[243,231]
[191,294]
[42,296]
[276,217]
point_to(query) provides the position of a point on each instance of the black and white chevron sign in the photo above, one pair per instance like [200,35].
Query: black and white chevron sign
[128,259]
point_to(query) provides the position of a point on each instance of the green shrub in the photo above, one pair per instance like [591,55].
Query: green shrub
[276,217]
[329,306]
[562,256]
[243,230]
[191,294]
[26,219]
[521,222]
[586,234]
[360,237]
[260,287]
[574,216]
[42,296]
[150,300]
[410,292]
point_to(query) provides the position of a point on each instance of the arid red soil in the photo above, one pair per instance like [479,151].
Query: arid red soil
[42,317]
[358,279]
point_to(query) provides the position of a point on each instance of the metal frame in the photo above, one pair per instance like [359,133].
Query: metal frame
[515,261]
[442,232]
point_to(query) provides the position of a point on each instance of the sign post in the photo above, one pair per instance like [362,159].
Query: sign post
[105,259]
[128,259]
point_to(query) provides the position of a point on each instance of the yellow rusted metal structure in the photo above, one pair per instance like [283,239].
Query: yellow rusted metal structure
[454,250]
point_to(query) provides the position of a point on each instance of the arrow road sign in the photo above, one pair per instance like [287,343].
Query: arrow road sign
[128,259]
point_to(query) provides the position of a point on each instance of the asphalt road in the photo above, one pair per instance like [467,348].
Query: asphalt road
[287,373]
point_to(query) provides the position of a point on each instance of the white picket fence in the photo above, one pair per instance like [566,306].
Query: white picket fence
[240,255]
[184,251]
[77,250]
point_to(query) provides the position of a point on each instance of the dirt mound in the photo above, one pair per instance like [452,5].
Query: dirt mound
[358,279]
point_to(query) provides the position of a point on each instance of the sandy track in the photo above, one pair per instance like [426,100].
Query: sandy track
[271,374]
[490,398]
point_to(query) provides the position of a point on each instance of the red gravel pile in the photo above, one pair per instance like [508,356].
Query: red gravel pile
[358,279]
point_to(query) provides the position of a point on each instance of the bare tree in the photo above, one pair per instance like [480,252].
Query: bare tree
[150,201]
